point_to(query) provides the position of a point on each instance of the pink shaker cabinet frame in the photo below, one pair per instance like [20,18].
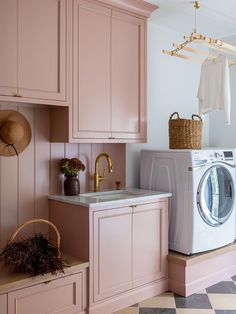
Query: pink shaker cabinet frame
[33,61]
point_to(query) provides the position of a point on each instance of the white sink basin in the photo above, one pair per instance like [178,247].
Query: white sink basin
[113,195]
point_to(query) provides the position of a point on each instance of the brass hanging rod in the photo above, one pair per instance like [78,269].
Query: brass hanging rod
[195,37]
[212,43]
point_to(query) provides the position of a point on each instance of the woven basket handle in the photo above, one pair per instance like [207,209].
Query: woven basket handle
[196,115]
[38,220]
[174,114]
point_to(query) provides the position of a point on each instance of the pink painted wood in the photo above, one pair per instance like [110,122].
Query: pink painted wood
[9,193]
[143,228]
[73,229]
[190,274]
[86,177]
[56,178]
[42,166]
[112,64]
[3,303]
[109,239]
[26,178]
[136,295]
[128,77]
[61,122]
[8,52]
[48,298]
[35,53]
[91,51]
[26,181]
[138,7]
[42,49]
[112,264]
[150,248]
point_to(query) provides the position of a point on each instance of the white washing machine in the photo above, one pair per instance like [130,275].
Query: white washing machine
[202,207]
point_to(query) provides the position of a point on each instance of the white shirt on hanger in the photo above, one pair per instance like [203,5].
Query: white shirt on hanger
[214,87]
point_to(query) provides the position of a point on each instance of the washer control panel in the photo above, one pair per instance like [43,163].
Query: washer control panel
[203,157]
[218,155]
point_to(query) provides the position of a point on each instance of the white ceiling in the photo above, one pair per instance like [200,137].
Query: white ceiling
[215,18]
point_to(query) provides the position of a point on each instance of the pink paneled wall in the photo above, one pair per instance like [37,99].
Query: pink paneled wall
[26,181]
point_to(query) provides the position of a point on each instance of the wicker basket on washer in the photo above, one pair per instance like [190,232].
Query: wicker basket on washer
[185,133]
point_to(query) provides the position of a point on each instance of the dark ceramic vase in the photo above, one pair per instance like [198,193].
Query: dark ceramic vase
[71,185]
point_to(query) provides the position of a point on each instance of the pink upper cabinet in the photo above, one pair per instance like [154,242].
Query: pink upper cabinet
[109,74]
[33,34]
[91,70]
[8,51]
[128,101]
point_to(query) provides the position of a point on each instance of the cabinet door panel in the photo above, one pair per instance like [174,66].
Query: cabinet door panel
[150,242]
[128,95]
[8,50]
[91,64]
[3,304]
[42,48]
[61,296]
[112,252]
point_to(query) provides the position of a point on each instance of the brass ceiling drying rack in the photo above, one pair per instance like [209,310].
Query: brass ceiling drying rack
[214,44]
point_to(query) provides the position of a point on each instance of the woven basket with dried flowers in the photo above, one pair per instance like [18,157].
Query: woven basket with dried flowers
[70,168]
[35,255]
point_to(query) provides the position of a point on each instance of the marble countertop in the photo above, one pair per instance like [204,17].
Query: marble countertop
[111,198]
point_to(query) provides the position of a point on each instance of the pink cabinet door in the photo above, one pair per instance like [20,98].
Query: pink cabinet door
[62,296]
[150,246]
[3,303]
[128,96]
[8,50]
[91,70]
[42,49]
[111,257]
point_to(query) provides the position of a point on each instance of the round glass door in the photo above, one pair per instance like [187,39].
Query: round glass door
[215,195]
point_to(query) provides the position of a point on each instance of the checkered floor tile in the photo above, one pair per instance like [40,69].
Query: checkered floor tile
[217,299]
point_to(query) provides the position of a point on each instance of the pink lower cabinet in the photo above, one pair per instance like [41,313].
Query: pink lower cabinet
[3,303]
[149,243]
[126,246]
[128,251]
[112,252]
[60,296]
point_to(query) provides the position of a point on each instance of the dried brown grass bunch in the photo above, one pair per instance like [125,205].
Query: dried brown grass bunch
[35,256]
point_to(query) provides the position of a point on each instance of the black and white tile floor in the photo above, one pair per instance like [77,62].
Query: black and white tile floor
[217,299]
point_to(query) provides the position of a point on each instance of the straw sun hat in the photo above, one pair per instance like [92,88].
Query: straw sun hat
[15,132]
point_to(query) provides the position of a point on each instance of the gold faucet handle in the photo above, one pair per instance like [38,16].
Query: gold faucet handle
[100,178]
[104,173]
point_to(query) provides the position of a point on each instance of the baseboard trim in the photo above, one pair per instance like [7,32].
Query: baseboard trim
[128,298]
[188,275]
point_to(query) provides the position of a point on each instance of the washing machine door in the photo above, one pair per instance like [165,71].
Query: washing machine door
[215,195]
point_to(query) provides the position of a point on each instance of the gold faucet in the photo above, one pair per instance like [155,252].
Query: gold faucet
[97,177]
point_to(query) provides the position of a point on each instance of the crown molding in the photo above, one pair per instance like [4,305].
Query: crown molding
[136,6]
